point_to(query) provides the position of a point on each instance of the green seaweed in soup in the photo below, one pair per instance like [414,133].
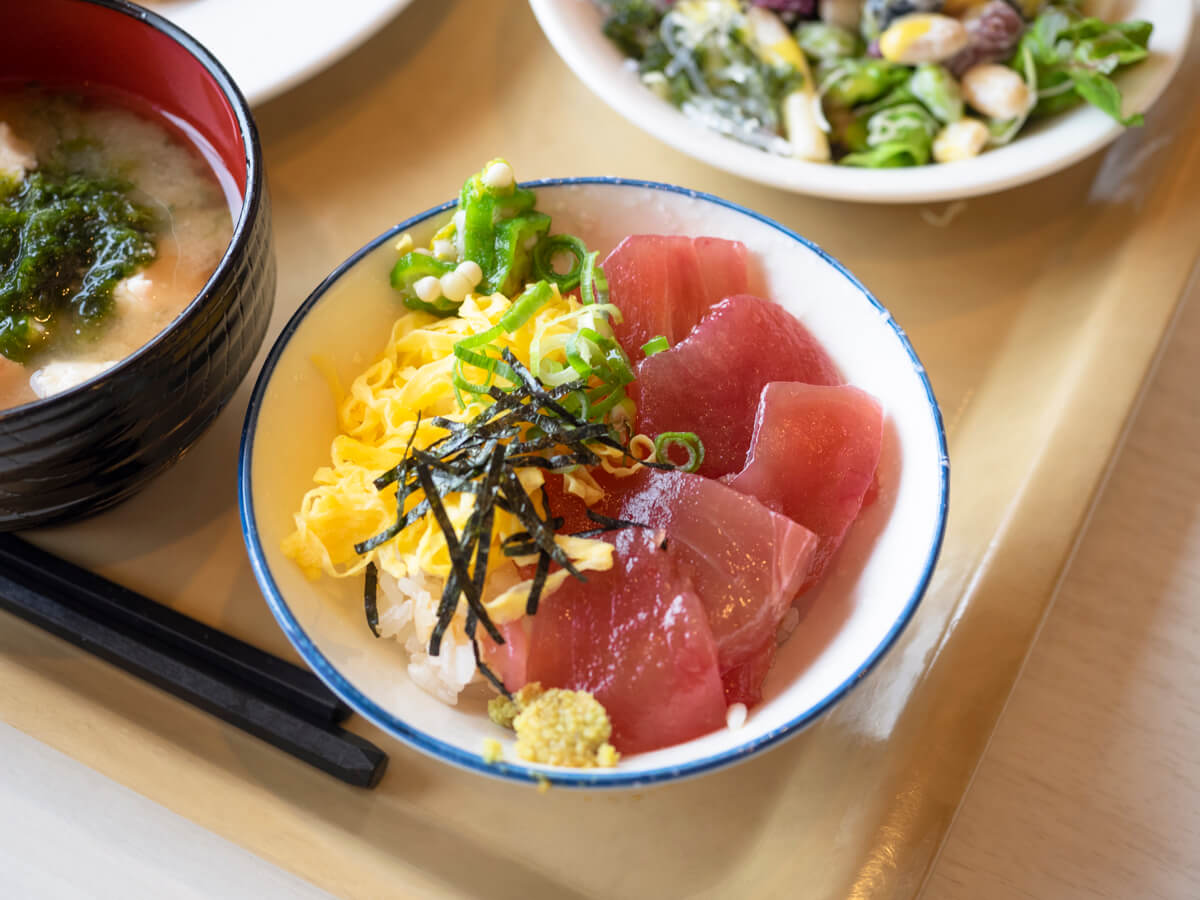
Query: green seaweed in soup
[66,240]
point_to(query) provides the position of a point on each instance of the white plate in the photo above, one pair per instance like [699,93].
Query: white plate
[573,27]
[269,46]
[868,595]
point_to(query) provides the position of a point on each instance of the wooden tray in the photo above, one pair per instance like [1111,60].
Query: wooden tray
[1038,313]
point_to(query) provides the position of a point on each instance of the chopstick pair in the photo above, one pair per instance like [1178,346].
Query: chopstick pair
[274,700]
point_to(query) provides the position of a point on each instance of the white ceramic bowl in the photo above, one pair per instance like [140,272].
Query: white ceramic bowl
[573,27]
[870,594]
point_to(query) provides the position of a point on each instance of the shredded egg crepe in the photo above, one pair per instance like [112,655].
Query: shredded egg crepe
[411,381]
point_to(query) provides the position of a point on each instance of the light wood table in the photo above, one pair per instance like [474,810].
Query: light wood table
[1091,785]
[1085,790]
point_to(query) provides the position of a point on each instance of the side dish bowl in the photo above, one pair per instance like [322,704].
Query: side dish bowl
[82,450]
[573,28]
[873,588]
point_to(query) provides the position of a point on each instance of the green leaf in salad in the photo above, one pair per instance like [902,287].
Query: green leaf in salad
[1099,91]
[907,123]
[897,136]
[893,155]
[848,131]
[1073,56]
[633,26]
[821,41]
[1004,130]
[938,91]
[849,82]
[1108,51]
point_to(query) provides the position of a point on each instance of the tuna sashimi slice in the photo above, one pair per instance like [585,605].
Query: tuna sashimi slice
[508,661]
[745,561]
[744,684]
[722,269]
[813,458]
[710,382]
[664,284]
[636,637]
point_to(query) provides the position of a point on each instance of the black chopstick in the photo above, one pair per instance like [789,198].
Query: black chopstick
[291,685]
[272,715]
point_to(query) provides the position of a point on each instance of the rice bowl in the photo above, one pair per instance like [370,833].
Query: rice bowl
[877,582]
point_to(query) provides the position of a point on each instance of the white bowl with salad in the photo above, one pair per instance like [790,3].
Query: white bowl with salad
[592,482]
[876,100]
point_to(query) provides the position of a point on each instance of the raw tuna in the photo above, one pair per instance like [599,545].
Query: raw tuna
[722,270]
[508,661]
[813,458]
[746,563]
[568,507]
[710,383]
[664,284]
[636,637]
[744,684]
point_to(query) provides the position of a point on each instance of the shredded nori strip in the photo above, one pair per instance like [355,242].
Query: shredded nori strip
[607,523]
[370,598]
[611,524]
[525,427]
[483,667]
[538,585]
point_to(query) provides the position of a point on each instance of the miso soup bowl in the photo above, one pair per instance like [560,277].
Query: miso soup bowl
[78,452]
[854,617]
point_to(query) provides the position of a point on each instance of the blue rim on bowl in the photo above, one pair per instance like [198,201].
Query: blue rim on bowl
[573,778]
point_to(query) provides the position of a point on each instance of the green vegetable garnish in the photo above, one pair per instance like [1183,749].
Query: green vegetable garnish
[478,351]
[66,239]
[411,268]
[690,443]
[593,286]
[543,260]
[656,345]
[515,240]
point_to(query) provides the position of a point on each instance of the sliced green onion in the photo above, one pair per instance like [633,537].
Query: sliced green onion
[522,310]
[482,338]
[593,354]
[618,361]
[593,286]
[601,408]
[526,306]
[543,260]
[581,350]
[488,364]
[685,439]
[656,345]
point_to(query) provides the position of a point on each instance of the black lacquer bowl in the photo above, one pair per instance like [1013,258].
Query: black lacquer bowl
[81,451]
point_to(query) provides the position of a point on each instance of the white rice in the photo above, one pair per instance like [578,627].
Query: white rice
[407,613]
[735,716]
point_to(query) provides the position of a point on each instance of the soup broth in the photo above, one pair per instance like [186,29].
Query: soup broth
[183,221]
